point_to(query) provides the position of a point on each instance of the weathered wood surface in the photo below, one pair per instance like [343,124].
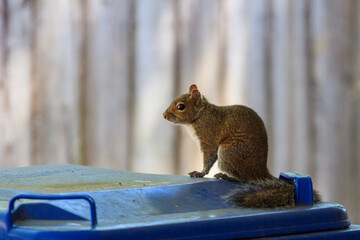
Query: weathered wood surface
[87,81]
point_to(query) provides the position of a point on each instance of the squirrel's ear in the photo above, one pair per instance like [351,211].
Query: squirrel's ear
[192,88]
[196,96]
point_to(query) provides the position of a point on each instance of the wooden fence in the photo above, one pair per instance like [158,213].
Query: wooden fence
[86,82]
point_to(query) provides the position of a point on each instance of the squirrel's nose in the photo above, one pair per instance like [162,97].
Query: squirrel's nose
[164,115]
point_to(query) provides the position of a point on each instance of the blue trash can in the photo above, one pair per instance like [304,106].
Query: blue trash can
[78,202]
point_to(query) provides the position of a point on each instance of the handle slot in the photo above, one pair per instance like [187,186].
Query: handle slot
[87,198]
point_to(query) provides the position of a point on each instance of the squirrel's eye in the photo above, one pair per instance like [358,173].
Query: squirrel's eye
[181,107]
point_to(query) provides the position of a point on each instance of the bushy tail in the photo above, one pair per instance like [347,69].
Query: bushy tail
[268,193]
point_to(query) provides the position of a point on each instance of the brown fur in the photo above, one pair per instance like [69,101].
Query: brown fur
[236,137]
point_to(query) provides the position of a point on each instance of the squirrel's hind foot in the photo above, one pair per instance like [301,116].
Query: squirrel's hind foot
[223,176]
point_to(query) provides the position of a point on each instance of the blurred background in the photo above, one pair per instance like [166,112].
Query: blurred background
[86,82]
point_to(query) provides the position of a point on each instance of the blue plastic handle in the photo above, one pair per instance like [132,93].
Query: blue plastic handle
[87,198]
[303,187]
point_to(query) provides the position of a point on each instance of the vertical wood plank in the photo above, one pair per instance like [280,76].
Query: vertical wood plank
[331,38]
[356,174]
[299,160]
[353,69]
[222,24]
[237,53]
[155,48]
[83,84]
[311,84]
[204,48]
[131,79]
[257,69]
[3,47]
[15,84]
[280,75]
[55,97]
[106,84]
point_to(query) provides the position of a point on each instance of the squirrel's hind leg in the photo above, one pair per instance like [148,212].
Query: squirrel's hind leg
[243,162]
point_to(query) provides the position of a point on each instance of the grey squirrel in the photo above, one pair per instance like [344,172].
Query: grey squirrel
[236,137]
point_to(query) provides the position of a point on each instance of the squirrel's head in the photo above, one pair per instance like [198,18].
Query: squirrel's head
[184,109]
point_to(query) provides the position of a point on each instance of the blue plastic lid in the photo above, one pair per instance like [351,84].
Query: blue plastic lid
[156,207]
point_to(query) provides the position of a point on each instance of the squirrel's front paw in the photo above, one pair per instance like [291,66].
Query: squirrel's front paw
[196,174]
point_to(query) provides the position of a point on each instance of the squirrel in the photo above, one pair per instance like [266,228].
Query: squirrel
[236,137]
